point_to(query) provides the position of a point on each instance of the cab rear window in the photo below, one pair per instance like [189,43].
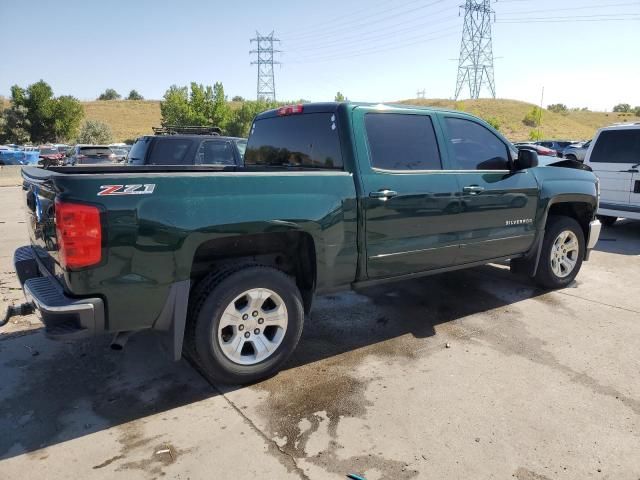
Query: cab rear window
[309,140]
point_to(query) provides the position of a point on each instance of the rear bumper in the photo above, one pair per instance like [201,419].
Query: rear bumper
[594,234]
[64,317]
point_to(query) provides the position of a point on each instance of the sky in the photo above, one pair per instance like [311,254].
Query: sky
[584,53]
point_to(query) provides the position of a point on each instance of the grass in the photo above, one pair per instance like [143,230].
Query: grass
[130,119]
[572,125]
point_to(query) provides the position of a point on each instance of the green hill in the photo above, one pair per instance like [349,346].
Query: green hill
[130,119]
[572,125]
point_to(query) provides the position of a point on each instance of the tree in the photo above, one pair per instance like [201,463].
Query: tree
[636,111]
[535,135]
[134,95]
[622,108]
[558,108]
[36,115]
[241,119]
[95,132]
[67,115]
[494,122]
[533,117]
[14,125]
[110,94]
[197,105]
[340,97]
[237,98]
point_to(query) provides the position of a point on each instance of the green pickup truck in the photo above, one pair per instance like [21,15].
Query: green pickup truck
[227,260]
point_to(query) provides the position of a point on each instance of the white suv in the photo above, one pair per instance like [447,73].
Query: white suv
[614,156]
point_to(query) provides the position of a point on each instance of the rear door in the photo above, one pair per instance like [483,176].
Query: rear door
[410,200]
[498,206]
[614,159]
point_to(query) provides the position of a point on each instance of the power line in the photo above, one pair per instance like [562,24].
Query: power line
[363,21]
[475,64]
[266,82]
[587,7]
[542,20]
[377,32]
[388,47]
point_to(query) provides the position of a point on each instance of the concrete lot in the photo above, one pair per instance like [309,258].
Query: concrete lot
[534,385]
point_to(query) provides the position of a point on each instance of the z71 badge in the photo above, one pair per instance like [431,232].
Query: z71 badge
[140,189]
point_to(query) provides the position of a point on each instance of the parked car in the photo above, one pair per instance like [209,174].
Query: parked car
[187,149]
[332,196]
[49,155]
[10,156]
[614,156]
[539,149]
[577,151]
[120,150]
[557,145]
[89,154]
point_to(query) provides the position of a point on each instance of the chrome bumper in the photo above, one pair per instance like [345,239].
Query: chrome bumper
[594,234]
[64,317]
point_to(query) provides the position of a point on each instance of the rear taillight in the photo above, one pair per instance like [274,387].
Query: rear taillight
[290,109]
[79,234]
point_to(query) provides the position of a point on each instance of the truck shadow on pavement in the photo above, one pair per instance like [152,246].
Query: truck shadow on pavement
[54,392]
[622,238]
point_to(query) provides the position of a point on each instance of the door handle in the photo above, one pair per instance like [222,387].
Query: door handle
[383,194]
[473,189]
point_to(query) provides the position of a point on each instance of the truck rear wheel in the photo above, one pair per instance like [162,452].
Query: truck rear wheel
[563,249]
[244,323]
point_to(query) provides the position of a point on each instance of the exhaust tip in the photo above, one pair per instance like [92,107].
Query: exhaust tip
[120,340]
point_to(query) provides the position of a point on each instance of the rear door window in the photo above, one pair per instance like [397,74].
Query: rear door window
[617,146]
[171,151]
[214,152]
[402,142]
[305,140]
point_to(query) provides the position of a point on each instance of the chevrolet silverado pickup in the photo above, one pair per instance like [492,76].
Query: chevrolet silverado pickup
[226,260]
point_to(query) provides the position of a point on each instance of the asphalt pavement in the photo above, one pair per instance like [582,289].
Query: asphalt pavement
[469,375]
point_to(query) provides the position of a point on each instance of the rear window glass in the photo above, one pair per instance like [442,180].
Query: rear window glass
[138,151]
[402,142]
[307,140]
[617,146]
[171,151]
[95,151]
[215,153]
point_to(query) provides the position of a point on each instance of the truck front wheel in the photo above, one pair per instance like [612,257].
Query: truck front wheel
[563,249]
[244,324]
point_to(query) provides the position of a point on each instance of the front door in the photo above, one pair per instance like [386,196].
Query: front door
[409,200]
[498,205]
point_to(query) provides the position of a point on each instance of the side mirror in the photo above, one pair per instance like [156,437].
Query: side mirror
[526,159]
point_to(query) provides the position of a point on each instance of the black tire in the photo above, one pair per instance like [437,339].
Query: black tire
[606,220]
[209,300]
[545,276]
[571,157]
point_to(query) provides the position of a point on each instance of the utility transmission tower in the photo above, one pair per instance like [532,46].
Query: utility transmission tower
[420,94]
[265,62]
[475,64]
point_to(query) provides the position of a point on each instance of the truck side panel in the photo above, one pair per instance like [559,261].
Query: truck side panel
[151,239]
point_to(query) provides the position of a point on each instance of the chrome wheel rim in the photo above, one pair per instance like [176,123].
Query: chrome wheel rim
[564,254]
[252,326]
